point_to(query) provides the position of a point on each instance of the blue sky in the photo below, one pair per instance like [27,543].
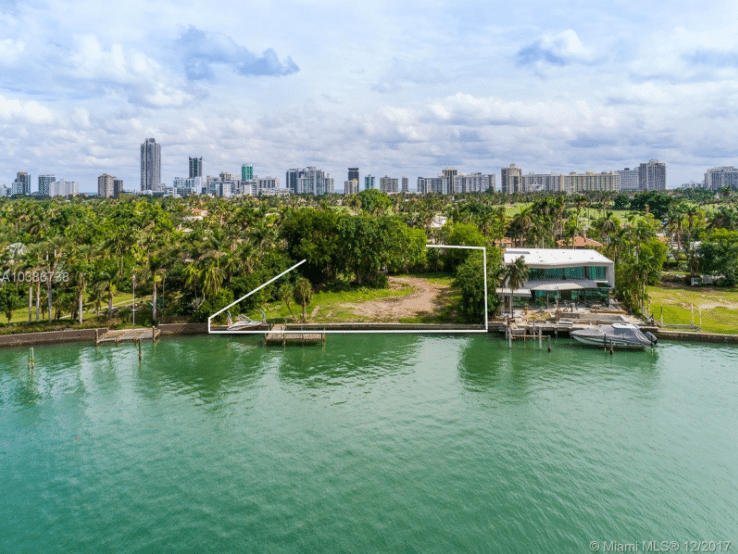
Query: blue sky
[397,88]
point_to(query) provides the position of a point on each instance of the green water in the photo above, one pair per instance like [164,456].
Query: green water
[377,443]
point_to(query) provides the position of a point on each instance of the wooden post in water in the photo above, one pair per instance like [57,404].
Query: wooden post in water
[605,344]
[509,337]
[549,343]
[540,338]
[140,354]
[612,347]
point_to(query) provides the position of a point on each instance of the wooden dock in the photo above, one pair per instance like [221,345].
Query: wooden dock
[277,336]
[128,335]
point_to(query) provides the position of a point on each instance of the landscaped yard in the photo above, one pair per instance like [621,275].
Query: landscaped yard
[718,307]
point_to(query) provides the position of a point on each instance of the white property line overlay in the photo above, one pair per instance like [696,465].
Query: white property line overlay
[348,331]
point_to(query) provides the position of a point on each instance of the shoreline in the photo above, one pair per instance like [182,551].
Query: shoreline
[201,329]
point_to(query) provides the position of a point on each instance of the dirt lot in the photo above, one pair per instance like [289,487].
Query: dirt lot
[425,300]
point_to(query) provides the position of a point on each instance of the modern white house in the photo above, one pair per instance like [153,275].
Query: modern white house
[579,275]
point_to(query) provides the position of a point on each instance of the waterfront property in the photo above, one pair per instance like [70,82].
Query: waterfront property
[562,275]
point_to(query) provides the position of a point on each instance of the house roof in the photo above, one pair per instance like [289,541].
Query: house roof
[556,257]
[580,242]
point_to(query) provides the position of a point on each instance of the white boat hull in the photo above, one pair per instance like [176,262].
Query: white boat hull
[619,335]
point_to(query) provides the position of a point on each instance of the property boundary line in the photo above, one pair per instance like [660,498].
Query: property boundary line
[367,331]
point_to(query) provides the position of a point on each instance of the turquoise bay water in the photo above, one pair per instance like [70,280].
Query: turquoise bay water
[377,443]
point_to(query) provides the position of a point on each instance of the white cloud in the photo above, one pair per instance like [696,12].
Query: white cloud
[563,48]
[143,79]
[11,50]
[13,110]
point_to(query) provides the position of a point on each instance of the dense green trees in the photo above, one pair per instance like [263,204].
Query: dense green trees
[183,262]
[719,255]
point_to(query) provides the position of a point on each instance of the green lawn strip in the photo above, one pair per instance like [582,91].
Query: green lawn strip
[121,300]
[677,303]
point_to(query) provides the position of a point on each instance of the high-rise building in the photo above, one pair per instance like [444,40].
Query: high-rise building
[309,180]
[405,187]
[449,173]
[388,185]
[541,182]
[62,187]
[607,181]
[628,179]
[353,173]
[22,184]
[291,179]
[438,185]
[195,167]
[472,182]
[117,187]
[719,177]
[247,172]
[351,186]
[652,175]
[44,184]
[370,182]
[511,179]
[105,186]
[150,165]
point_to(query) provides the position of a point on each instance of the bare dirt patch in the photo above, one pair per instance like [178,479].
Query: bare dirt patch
[425,299]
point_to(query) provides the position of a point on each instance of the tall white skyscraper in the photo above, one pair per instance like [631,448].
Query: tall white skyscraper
[150,165]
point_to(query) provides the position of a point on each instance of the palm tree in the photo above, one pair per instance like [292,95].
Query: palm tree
[515,276]
[522,223]
[286,293]
[303,293]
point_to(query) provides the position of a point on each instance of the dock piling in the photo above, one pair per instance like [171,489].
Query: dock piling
[549,343]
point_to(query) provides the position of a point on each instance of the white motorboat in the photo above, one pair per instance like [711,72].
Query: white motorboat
[242,322]
[619,335]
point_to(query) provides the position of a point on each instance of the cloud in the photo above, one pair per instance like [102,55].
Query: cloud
[591,141]
[403,72]
[201,50]
[712,57]
[15,111]
[128,71]
[561,49]
[11,50]
[680,55]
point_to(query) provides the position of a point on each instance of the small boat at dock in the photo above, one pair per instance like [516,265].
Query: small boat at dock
[617,335]
[243,322]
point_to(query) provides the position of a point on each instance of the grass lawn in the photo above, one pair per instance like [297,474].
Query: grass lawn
[719,306]
[20,315]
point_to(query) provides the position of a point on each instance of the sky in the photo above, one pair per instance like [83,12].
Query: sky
[395,88]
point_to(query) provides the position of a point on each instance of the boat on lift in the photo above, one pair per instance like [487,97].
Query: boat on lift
[617,335]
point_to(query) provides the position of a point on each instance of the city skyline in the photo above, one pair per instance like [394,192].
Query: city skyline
[566,87]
